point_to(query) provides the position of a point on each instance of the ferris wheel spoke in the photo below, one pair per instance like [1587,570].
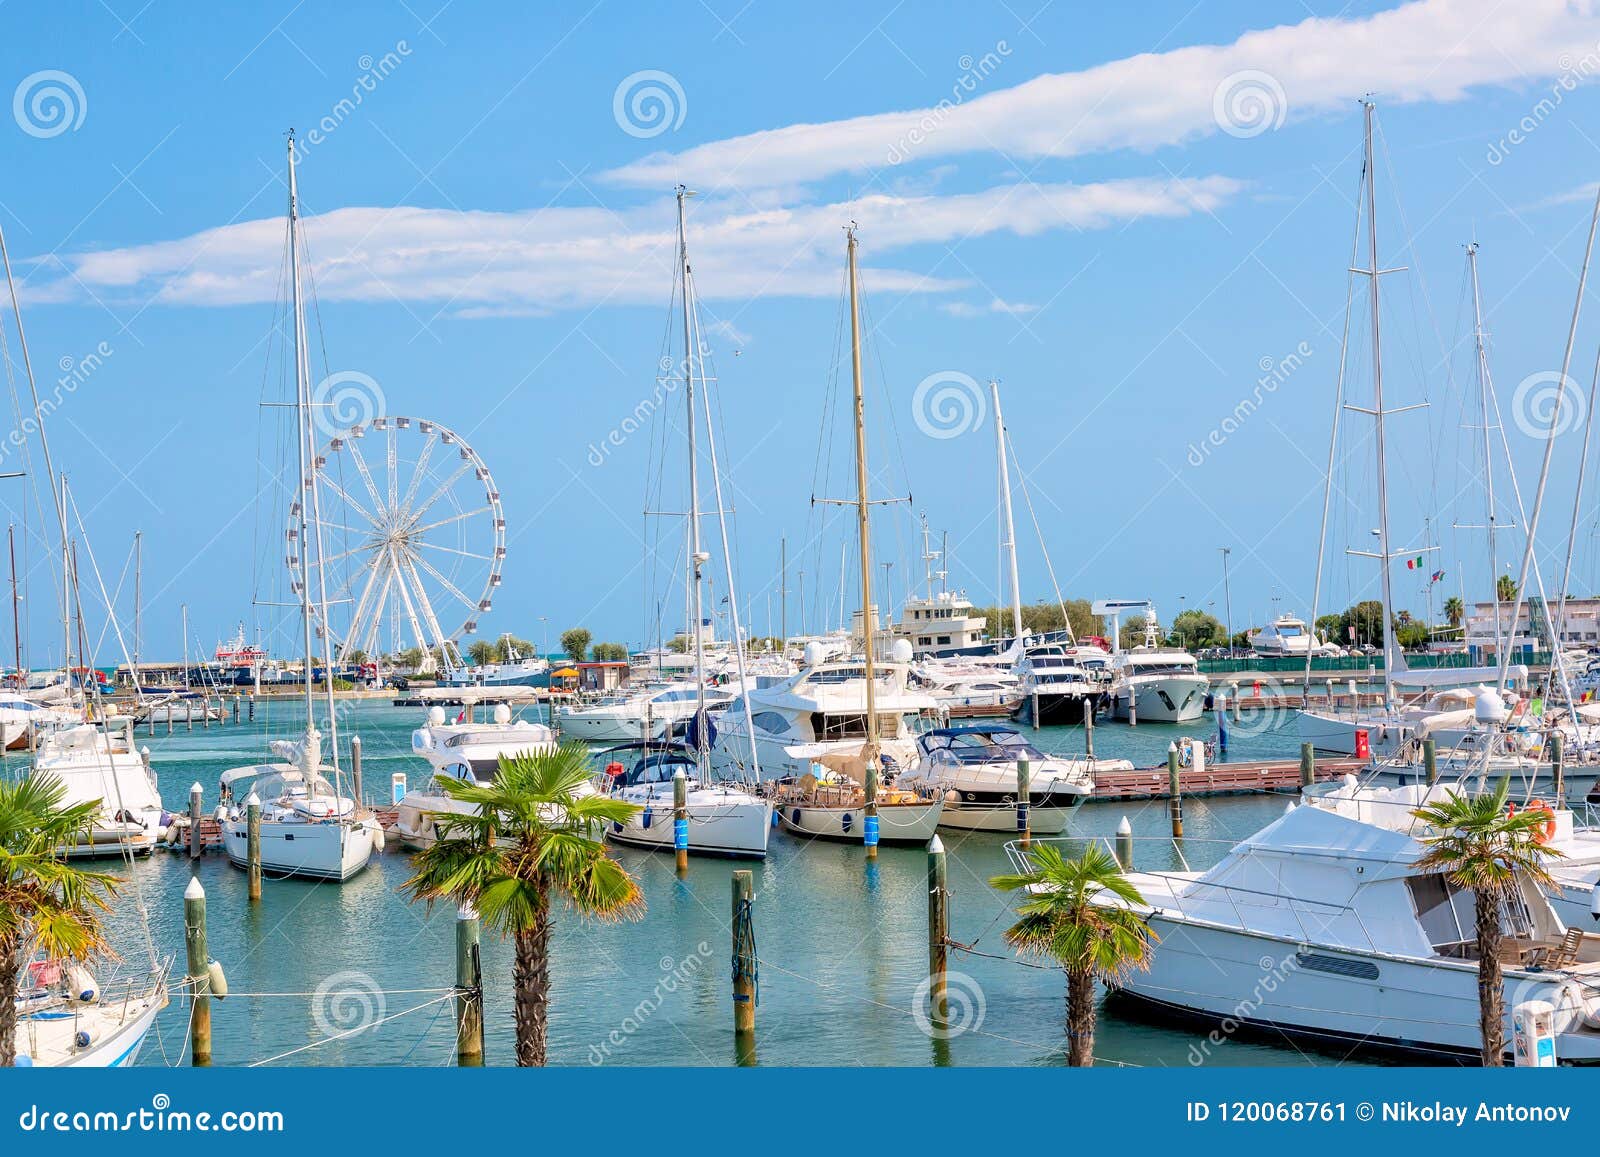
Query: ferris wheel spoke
[378,609]
[351,502]
[415,530]
[451,549]
[356,616]
[445,645]
[366,479]
[392,453]
[417,560]
[449,484]
[418,474]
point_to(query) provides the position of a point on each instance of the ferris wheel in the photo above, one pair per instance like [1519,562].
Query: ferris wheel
[412,537]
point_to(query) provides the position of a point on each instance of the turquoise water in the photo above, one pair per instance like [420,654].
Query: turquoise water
[843,946]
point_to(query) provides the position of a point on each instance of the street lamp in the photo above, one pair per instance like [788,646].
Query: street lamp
[545,619]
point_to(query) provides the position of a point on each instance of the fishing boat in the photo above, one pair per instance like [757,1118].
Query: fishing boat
[975,769]
[515,670]
[308,829]
[724,817]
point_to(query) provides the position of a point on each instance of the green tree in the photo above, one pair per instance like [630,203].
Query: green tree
[1367,619]
[1196,628]
[1454,611]
[505,645]
[410,658]
[1043,618]
[533,842]
[357,657]
[680,644]
[44,901]
[575,643]
[482,653]
[1331,627]
[1478,844]
[1132,632]
[610,653]
[1505,589]
[1061,919]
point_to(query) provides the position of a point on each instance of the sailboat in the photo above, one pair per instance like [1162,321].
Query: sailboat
[724,819]
[308,829]
[839,797]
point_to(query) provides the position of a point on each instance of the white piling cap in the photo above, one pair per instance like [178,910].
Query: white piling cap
[1288,807]
[194,891]
[1124,828]
[1173,746]
[466,912]
[252,800]
[355,741]
[144,751]
[679,774]
[196,789]
[936,846]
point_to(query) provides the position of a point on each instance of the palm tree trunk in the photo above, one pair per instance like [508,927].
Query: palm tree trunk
[1080,1019]
[530,980]
[1491,984]
[10,968]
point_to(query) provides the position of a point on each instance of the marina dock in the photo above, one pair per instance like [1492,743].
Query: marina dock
[1243,778]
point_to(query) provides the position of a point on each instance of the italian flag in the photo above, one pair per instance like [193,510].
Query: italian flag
[1414,563]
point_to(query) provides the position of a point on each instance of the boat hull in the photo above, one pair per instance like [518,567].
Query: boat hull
[310,851]
[897,823]
[997,815]
[736,829]
[1055,710]
[1175,699]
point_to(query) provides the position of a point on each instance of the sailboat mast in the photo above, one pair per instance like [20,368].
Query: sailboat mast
[66,586]
[16,613]
[138,580]
[1488,459]
[1389,649]
[1008,530]
[869,752]
[301,415]
[695,554]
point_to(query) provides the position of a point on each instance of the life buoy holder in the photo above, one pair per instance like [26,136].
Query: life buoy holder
[1546,832]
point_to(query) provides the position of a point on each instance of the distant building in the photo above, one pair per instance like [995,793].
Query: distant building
[1580,626]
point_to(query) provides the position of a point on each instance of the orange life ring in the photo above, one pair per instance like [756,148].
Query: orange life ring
[614,769]
[1545,833]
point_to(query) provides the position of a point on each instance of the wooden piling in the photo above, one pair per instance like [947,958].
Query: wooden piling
[194,822]
[355,770]
[205,715]
[1024,800]
[1088,728]
[938,935]
[1175,787]
[188,714]
[1124,845]
[1430,760]
[236,709]
[252,836]
[469,989]
[680,820]
[1034,708]
[869,822]
[1308,765]
[744,953]
[194,939]
[1558,767]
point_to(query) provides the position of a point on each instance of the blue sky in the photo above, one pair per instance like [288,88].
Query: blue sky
[1099,217]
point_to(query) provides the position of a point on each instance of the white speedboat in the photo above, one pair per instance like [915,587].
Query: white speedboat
[650,714]
[308,830]
[1059,682]
[1321,925]
[962,689]
[97,766]
[66,1019]
[724,818]
[479,745]
[23,721]
[975,770]
[1286,637]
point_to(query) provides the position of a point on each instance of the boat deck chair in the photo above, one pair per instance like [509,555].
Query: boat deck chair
[1563,954]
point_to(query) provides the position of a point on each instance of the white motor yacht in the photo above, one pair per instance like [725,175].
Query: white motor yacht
[1161,684]
[479,745]
[99,766]
[1058,682]
[975,769]
[650,714]
[1286,637]
[962,689]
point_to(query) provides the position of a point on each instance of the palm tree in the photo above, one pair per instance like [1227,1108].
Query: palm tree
[1454,611]
[44,902]
[534,840]
[1505,589]
[1091,941]
[1479,843]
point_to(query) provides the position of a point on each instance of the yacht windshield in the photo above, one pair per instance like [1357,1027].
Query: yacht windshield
[980,746]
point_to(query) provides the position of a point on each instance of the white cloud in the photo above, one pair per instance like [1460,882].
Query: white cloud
[1431,50]
[995,305]
[494,264]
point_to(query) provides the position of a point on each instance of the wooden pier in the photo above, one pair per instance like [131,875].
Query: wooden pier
[1246,777]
